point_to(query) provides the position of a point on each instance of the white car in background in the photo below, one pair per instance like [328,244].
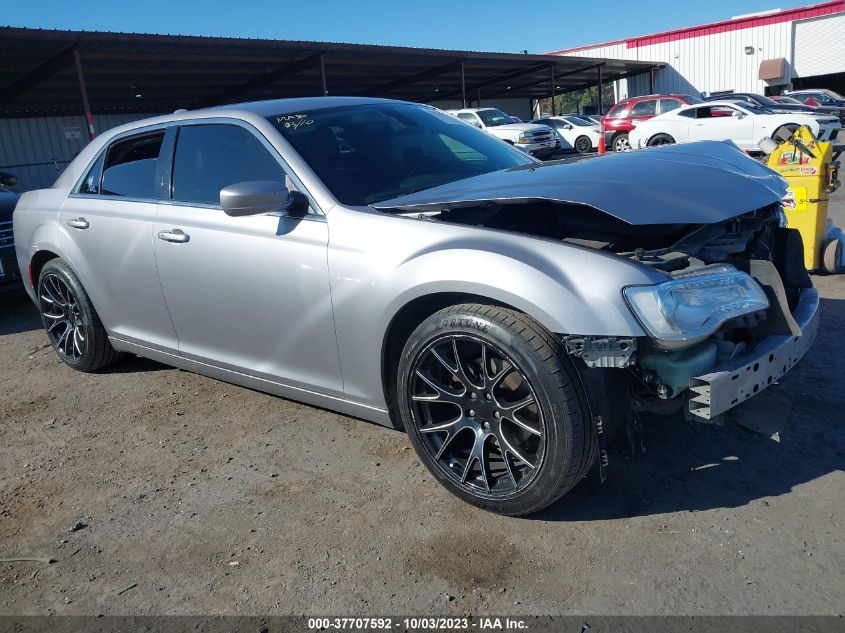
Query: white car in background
[538,140]
[743,123]
[574,132]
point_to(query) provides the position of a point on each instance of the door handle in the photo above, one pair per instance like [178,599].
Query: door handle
[174,235]
[78,223]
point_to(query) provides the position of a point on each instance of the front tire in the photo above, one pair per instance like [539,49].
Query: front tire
[70,320]
[494,408]
[583,145]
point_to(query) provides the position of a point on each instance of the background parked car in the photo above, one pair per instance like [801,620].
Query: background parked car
[763,102]
[781,104]
[620,119]
[9,274]
[534,139]
[818,97]
[814,100]
[574,132]
[743,123]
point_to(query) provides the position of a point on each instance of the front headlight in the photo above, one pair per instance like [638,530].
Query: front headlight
[521,138]
[685,310]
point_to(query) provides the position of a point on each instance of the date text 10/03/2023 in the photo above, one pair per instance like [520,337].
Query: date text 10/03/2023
[416,624]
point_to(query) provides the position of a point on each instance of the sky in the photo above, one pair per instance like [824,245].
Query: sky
[480,25]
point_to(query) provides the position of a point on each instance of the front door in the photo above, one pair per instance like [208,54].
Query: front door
[250,294]
[721,123]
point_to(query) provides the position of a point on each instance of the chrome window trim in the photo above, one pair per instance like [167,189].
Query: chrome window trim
[314,207]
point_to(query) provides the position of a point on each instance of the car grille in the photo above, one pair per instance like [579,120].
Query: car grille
[539,136]
[7,238]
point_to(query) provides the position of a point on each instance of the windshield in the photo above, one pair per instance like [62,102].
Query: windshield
[373,152]
[492,118]
[769,103]
[832,95]
[789,100]
[753,107]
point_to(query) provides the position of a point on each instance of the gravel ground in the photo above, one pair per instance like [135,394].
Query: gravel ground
[157,491]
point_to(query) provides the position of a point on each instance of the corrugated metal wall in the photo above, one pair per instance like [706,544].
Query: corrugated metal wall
[37,149]
[717,61]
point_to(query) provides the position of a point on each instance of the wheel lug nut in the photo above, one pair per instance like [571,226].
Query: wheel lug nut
[487,396]
[473,396]
[497,415]
[472,413]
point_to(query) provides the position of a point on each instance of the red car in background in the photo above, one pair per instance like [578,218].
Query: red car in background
[621,118]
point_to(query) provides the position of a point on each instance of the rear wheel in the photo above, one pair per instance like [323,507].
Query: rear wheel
[621,143]
[73,326]
[494,408]
[660,139]
[583,145]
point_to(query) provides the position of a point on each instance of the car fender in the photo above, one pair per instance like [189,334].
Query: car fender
[566,288]
[552,292]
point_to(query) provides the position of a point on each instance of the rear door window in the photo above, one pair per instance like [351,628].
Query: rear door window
[644,108]
[211,157]
[130,168]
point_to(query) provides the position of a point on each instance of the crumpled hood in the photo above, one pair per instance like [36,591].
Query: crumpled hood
[694,183]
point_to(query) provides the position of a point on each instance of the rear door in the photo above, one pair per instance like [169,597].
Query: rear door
[105,230]
[643,110]
[249,294]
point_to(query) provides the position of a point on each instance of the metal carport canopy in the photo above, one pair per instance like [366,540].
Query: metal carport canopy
[131,72]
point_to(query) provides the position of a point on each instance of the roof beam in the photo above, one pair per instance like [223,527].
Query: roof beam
[544,80]
[402,82]
[45,70]
[239,90]
[610,79]
[493,80]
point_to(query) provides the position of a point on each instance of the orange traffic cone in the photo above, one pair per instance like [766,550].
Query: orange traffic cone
[602,148]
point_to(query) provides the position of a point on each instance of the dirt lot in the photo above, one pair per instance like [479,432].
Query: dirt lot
[159,491]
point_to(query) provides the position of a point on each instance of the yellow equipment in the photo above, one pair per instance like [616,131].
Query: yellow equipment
[810,168]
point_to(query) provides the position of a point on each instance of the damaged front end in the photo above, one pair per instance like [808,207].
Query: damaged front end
[737,308]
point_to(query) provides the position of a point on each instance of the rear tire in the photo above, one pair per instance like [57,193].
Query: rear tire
[660,139]
[621,143]
[70,320]
[512,430]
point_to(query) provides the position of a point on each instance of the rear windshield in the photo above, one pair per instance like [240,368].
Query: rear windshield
[368,153]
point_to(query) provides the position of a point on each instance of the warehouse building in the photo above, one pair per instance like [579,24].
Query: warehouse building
[766,53]
[58,89]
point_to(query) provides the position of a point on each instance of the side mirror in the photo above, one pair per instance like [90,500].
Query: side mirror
[738,114]
[568,126]
[261,196]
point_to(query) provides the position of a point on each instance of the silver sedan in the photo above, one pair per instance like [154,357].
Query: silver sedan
[386,260]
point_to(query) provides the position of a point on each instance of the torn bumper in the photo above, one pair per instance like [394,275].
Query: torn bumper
[736,381]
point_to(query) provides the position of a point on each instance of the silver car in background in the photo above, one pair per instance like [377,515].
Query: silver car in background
[385,260]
